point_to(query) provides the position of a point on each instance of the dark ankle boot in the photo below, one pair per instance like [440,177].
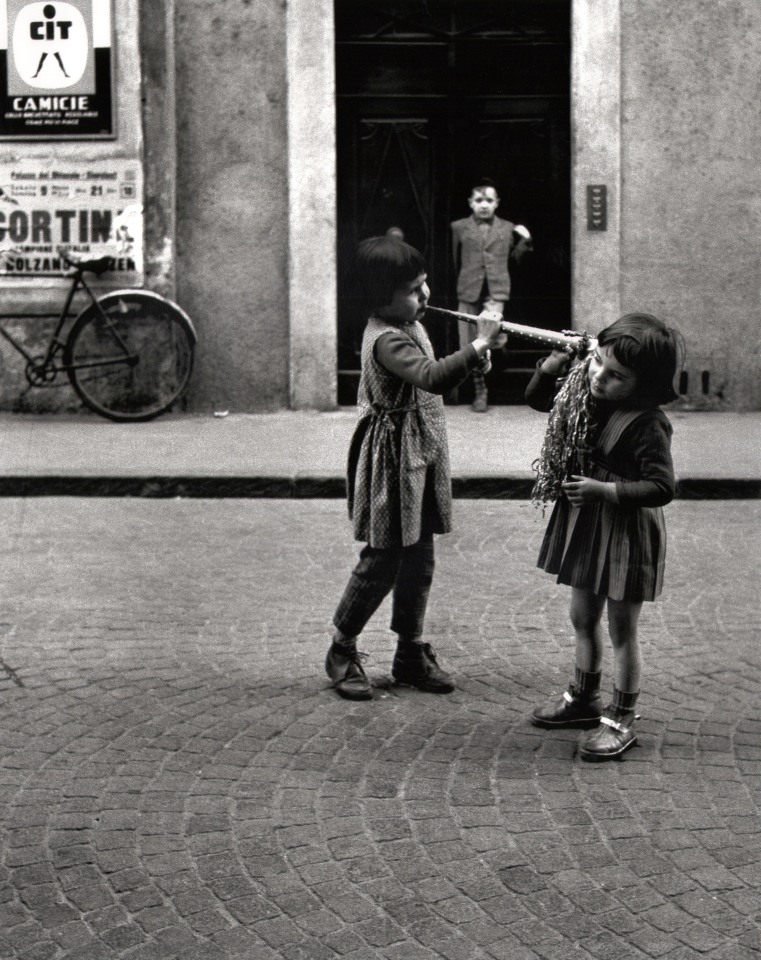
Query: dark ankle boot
[580,706]
[343,665]
[415,664]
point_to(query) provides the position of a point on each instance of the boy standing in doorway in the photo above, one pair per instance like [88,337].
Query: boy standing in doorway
[482,245]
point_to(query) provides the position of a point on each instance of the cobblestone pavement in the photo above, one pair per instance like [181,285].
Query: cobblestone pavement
[177,779]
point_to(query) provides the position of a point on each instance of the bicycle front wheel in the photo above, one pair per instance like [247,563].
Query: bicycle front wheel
[130,355]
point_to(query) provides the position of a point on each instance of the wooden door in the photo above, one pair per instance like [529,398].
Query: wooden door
[432,94]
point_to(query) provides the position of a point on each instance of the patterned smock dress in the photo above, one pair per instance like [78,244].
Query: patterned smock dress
[399,484]
[616,550]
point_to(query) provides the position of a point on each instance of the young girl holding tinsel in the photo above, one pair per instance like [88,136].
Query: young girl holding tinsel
[606,462]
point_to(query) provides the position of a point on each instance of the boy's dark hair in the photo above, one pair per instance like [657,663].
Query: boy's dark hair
[382,265]
[481,183]
[650,348]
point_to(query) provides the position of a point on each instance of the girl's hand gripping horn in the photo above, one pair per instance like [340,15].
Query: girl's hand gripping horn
[580,343]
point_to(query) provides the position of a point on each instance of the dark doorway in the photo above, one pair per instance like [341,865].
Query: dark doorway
[430,95]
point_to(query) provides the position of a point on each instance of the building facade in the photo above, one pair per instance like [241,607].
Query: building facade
[230,110]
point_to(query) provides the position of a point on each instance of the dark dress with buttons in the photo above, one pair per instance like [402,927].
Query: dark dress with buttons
[616,550]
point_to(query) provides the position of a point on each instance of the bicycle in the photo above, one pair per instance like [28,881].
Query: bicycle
[128,354]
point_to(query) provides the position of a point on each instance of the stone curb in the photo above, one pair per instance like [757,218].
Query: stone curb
[315,487]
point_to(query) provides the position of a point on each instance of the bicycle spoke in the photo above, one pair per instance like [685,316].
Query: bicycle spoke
[131,358]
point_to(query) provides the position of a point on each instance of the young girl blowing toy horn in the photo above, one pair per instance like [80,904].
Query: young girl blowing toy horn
[399,484]
[606,462]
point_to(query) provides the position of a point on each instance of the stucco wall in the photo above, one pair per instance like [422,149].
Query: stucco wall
[232,199]
[691,205]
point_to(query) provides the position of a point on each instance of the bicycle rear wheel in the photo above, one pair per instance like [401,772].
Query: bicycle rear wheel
[130,356]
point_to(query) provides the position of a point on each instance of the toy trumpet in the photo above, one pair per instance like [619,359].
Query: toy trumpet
[581,343]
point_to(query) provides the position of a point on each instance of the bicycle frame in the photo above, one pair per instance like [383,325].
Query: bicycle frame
[56,344]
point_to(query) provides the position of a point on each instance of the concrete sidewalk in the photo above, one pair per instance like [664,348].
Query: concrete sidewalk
[303,454]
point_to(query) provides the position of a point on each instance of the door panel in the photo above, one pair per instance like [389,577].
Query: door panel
[396,157]
[389,176]
[432,94]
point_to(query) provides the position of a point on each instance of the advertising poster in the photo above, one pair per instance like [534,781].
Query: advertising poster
[89,208]
[56,70]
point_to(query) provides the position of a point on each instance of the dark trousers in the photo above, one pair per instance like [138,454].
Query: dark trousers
[408,571]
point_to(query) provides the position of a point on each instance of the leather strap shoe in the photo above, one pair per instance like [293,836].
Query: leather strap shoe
[613,736]
[571,711]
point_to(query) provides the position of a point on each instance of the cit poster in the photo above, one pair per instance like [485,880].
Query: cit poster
[56,70]
[89,209]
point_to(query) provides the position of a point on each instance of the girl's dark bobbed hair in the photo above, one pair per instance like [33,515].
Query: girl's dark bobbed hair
[382,265]
[653,350]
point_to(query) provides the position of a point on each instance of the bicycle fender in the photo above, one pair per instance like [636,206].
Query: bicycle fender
[150,294]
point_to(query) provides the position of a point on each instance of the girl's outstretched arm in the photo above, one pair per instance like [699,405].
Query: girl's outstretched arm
[399,355]
[541,391]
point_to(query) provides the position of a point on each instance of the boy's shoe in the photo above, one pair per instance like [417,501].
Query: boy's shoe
[344,667]
[479,405]
[612,737]
[571,711]
[415,664]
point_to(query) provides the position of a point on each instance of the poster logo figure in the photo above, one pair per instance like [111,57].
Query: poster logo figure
[35,30]
[50,45]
